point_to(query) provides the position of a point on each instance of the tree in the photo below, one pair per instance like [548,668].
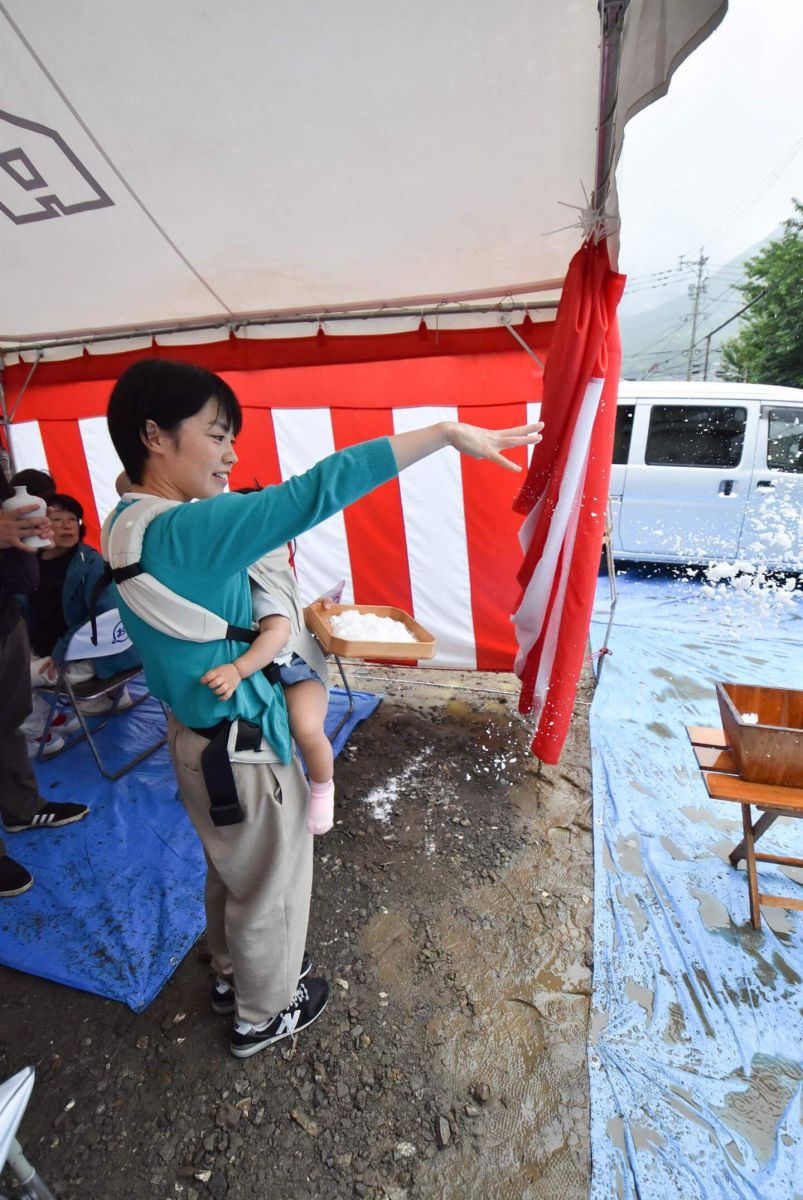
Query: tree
[769,345]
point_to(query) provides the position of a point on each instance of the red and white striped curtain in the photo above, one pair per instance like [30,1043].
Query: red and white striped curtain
[565,497]
[440,542]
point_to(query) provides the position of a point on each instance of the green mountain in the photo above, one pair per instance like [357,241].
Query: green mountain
[656,337]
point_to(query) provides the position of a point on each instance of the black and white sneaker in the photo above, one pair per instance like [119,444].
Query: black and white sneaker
[306,1006]
[50,816]
[223,992]
[14,878]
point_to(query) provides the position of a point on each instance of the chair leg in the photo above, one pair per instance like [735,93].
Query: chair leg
[750,855]
[113,775]
[350,708]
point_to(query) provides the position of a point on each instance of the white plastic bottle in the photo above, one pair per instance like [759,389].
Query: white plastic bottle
[19,500]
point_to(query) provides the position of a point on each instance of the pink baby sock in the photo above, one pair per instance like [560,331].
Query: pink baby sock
[321,809]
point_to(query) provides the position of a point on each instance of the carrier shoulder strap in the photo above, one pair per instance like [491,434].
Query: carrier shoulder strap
[158,606]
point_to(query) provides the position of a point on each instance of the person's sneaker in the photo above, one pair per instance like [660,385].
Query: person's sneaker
[223,992]
[14,878]
[53,743]
[104,704]
[310,1000]
[63,723]
[51,816]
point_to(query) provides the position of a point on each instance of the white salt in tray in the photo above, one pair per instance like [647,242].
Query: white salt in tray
[319,622]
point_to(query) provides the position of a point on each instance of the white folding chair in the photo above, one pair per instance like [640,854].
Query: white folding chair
[108,638]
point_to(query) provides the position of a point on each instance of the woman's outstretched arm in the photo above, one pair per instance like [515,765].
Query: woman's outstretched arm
[409,448]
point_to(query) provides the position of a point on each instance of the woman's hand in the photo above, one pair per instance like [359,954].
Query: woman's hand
[20,523]
[489,443]
[411,447]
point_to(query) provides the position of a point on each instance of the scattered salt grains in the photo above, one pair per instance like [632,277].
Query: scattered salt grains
[367,627]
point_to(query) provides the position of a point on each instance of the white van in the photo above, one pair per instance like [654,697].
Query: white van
[706,472]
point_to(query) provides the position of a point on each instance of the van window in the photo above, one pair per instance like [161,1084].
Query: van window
[682,435]
[785,439]
[624,432]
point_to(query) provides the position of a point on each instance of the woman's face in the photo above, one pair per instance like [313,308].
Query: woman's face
[66,528]
[197,459]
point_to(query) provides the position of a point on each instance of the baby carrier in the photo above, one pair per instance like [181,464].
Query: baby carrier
[177,617]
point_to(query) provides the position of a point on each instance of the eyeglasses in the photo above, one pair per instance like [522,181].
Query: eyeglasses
[57,517]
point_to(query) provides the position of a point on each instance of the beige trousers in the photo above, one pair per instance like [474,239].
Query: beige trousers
[259,874]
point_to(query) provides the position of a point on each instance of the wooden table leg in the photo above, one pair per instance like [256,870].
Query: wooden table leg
[761,826]
[750,855]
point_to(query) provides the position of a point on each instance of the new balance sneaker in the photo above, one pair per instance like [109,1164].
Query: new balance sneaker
[14,878]
[63,723]
[53,744]
[50,816]
[223,992]
[306,1006]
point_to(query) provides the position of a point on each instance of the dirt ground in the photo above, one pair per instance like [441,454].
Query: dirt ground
[452,912]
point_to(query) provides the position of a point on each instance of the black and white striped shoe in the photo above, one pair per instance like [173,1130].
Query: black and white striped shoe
[50,816]
[223,993]
[14,878]
[307,1004]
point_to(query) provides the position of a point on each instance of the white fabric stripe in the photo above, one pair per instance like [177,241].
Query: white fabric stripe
[529,617]
[102,461]
[437,552]
[28,447]
[303,437]
[550,645]
[533,415]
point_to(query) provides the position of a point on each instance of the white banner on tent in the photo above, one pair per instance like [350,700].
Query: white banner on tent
[303,437]
[437,551]
[27,446]
[101,459]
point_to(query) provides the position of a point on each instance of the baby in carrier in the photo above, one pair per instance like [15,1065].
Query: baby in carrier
[277,610]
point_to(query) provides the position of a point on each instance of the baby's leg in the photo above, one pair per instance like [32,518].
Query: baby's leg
[307,703]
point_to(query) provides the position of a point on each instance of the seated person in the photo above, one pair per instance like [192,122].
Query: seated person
[68,573]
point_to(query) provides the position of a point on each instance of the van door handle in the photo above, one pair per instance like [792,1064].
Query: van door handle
[765,483]
[725,487]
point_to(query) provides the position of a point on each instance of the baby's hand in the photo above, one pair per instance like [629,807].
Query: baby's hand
[223,680]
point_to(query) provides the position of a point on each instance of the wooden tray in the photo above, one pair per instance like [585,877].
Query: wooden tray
[770,752]
[319,622]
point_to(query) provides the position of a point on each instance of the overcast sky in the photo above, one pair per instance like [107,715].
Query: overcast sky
[716,161]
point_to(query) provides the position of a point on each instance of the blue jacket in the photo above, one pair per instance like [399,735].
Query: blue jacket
[83,572]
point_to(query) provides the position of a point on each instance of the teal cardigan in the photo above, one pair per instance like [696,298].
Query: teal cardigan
[202,550]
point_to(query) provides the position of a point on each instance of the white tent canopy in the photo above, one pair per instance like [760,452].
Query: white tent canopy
[168,164]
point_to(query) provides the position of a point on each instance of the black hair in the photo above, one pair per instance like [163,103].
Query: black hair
[38,483]
[69,504]
[166,393]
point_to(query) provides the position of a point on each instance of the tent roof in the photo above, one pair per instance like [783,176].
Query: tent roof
[175,163]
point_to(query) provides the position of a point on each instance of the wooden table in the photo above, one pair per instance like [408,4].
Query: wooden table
[723,782]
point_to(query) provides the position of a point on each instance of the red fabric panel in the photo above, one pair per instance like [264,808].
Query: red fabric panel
[468,379]
[243,354]
[375,524]
[492,529]
[257,457]
[585,345]
[67,463]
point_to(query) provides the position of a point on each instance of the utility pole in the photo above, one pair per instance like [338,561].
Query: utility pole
[696,293]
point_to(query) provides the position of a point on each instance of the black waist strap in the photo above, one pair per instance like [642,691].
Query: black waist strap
[216,768]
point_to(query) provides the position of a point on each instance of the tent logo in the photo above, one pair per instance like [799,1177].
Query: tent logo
[40,176]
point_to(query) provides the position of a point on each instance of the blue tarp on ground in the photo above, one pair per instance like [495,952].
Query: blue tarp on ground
[118,898]
[695,1054]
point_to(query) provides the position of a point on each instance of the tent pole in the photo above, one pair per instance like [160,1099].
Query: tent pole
[4,421]
[612,19]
